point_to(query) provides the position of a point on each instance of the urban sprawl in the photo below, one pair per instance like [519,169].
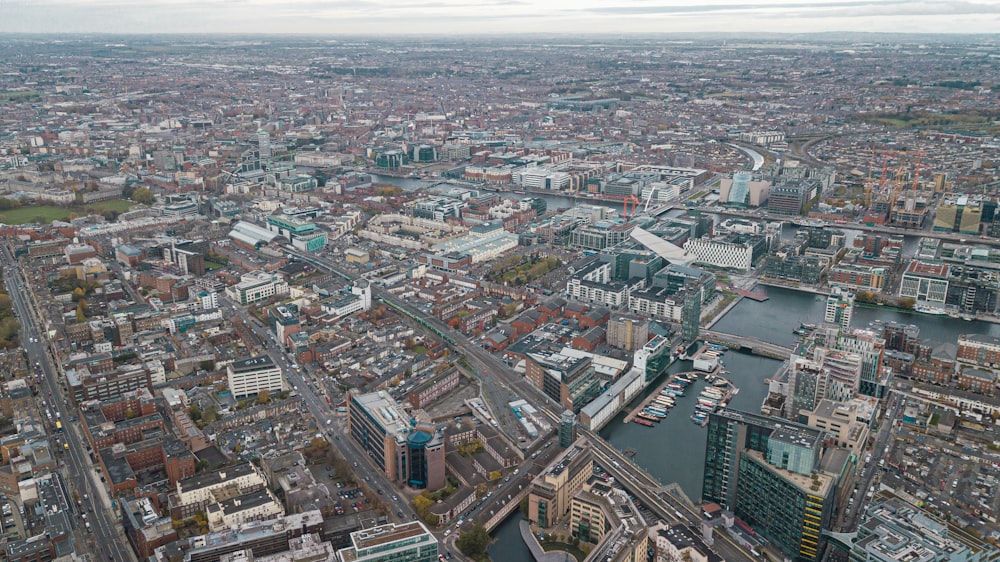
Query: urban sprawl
[298,300]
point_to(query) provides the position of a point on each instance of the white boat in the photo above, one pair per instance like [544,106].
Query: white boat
[932,310]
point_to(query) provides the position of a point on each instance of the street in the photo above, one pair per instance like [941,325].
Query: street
[80,474]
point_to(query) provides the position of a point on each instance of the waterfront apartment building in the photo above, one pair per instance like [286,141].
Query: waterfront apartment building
[858,276]
[251,376]
[839,308]
[793,267]
[979,349]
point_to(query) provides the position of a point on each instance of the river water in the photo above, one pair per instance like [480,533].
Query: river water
[674,449]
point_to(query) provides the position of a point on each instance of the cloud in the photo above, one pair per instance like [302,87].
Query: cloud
[464,17]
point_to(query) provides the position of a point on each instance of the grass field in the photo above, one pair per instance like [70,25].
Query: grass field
[50,213]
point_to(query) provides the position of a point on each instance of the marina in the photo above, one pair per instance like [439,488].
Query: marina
[717,393]
[656,406]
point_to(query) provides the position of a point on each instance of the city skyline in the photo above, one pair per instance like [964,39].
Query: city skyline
[458,17]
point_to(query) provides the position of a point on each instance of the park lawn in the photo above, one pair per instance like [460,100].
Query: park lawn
[51,213]
[120,205]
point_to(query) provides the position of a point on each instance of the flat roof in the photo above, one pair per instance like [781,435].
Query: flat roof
[253,363]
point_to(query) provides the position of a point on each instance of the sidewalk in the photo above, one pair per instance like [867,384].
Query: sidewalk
[536,549]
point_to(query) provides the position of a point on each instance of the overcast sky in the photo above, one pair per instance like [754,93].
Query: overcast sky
[342,17]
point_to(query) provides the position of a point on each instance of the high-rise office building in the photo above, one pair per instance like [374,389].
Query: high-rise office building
[567,429]
[263,144]
[775,475]
[839,308]
[691,315]
[403,450]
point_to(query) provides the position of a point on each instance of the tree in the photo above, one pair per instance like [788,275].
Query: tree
[81,308]
[143,195]
[473,542]
[210,414]
[264,396]
[422,505]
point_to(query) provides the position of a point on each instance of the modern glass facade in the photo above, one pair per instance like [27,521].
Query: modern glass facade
[789,516]
[767,471]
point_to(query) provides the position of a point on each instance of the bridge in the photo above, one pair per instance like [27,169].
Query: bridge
[512,504]
[748,344]
[667,502]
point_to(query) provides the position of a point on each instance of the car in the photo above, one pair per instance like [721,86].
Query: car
[395,497]
[399,514]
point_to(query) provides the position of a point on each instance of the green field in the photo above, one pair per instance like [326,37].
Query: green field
[49,213]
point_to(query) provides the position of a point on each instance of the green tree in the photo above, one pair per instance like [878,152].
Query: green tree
[473,542]
[143,195]
[210,414]
[422,505]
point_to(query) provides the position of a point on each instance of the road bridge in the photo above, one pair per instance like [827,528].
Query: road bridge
[748,344]
[512,504]
[663,501]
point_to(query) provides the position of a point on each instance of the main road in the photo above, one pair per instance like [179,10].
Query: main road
[81,475]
